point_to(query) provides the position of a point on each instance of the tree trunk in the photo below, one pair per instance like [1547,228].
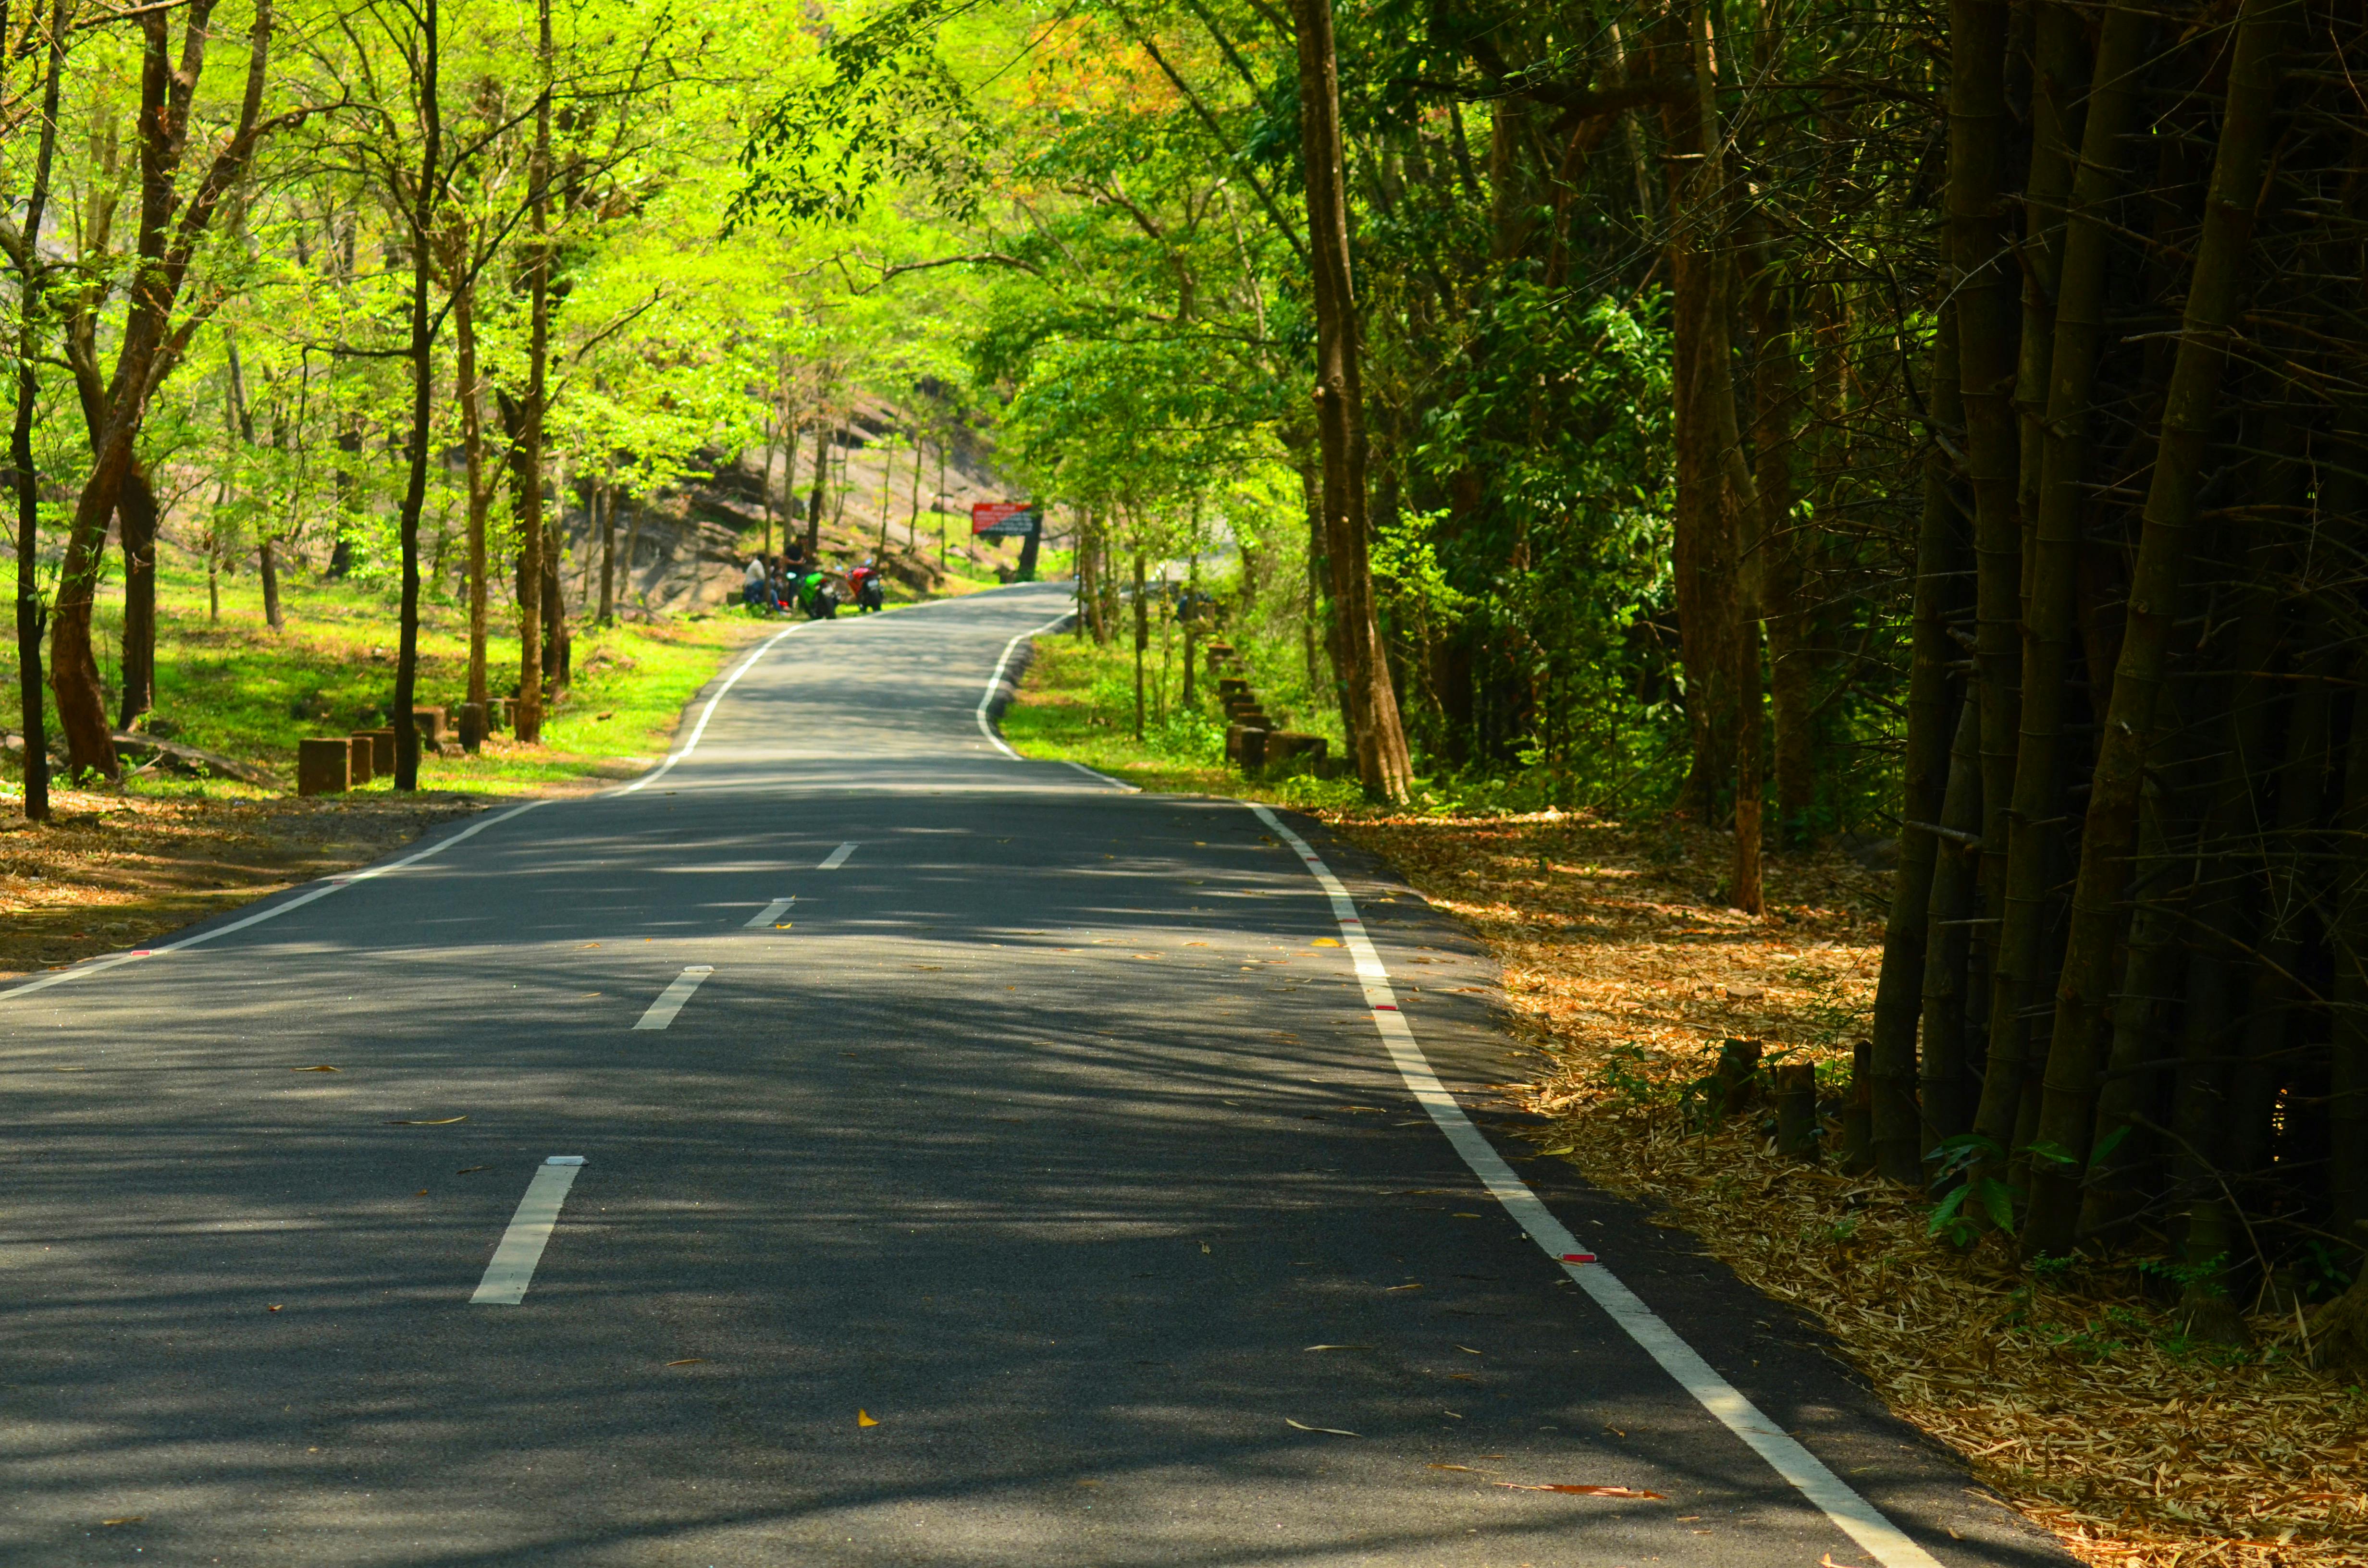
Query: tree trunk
[23,478]
[2058,106]
[1988,340]
[1942,1106]
[2155,585]
[526,458]
[814,496]
[170,228]
[2347,1088]
[1142,640]
[555,649]
[415,489]
[267,564]
[632,548]
[2123,1149]
[1382,764]
[604,502]
[1725,505]
[473,448]
[1771,565]
[1702,555]
[2017,979]
[1926,780]
[135,517]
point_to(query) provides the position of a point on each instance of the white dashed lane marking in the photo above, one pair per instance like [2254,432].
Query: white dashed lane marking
[671,999]
[771,913]
[837,857]
[512,1270]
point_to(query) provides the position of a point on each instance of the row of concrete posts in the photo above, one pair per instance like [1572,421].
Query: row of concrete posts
[332,765]
[1252,742]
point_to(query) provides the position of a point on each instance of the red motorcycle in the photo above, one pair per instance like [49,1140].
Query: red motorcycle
[866,589]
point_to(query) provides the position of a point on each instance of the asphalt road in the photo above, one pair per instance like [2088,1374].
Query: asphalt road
[1037,1189]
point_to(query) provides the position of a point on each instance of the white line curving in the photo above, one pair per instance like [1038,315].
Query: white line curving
[1858,1518]
[994,681]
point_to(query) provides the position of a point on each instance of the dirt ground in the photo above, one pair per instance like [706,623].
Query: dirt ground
[2078,1399]
[110,871]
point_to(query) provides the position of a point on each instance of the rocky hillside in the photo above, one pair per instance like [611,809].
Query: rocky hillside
[687,548]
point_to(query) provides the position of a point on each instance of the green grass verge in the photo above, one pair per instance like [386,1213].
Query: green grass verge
[1077,704]
[234,685]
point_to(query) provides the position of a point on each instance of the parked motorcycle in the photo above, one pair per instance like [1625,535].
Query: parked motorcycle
[816,594]
[865,586]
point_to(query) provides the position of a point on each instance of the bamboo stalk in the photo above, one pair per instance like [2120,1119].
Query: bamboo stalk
[1926,782]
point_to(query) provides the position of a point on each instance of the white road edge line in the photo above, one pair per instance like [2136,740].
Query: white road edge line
[670,1000]
[994,680]
[771,913]
[1858,1518]
[321,890]
[838,857]
[1119,784]
[512,1270]
[662,769]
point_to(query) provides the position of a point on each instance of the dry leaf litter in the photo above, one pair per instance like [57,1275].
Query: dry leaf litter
[112,871]
[2083,1406]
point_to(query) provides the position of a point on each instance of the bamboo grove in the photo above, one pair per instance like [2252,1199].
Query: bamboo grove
[2037,328]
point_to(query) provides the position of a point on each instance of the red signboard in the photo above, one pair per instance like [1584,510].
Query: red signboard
[1002,518]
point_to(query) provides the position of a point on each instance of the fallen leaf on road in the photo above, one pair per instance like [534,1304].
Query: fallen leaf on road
[1204,1246]
[863,1418]
[1827,1561]
[1196,944]
[1461,1467]
[1604,1491]
[688,1361]
[1305,1427]
[1461,1378]
[471,1170]
[273,1308]
[1324,942]
[323,1069]
[1339,1347]
[1387,1288]
[1468,1350]
[1147,955]
[126,1519]
[447,1121]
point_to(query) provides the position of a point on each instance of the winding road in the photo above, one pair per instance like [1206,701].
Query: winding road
[852,1144]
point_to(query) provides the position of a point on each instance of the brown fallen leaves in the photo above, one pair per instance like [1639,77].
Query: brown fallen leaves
[2083,1409]
[115,871]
